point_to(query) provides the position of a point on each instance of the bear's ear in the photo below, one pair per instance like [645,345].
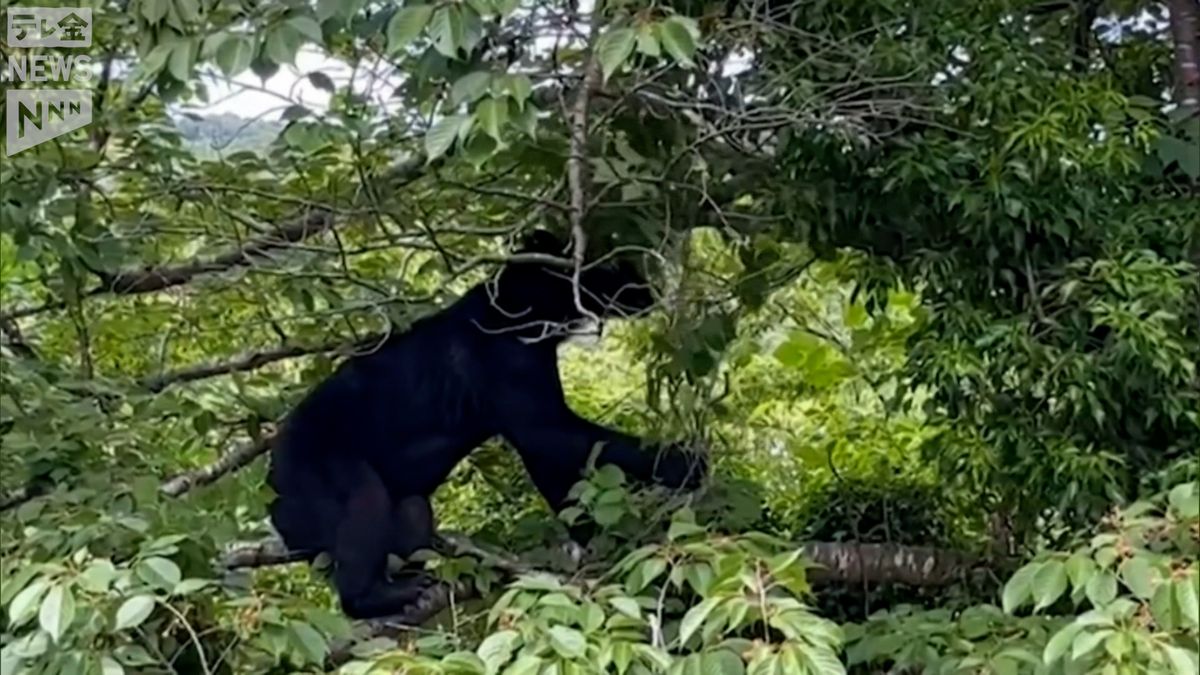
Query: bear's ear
[542,241]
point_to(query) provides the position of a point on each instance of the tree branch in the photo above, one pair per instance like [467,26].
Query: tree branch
[17,496]
[158,278]
[253,360]
[840,562]
[887,564]
[227,463]
[312,222]
[149,280]
[843,562]
[1185,31]
[577,167]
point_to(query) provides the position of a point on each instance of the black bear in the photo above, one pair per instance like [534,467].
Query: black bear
[356,462]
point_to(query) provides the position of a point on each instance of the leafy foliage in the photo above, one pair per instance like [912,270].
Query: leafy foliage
[929,278]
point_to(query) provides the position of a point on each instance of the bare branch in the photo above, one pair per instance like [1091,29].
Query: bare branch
[254,360]
[149,280]
[265,553]
[313,221]
[577,168]
[17,497]
[1185,31]
[227,463]
[851,562]
[840,562]
[158,278]
[843,562]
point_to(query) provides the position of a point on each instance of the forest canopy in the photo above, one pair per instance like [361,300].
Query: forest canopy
[928,283]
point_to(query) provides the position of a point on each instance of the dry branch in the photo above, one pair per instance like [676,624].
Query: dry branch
[133,282]
[252,360]
[312,222]
[1185,32]
[577,161]
[16,497]
[265,553]
[887,564]
[158,278]
[843,562]
[840,562]
[227,463]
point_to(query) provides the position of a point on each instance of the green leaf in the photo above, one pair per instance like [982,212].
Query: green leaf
[1186,597]
[526,665]
[1140,576]
[1102,588]
[183,55]
[482,7]
[154,10]
[694,619]
[506,7]
[97,577]
[479,148]
[519,87]
[568,642]
[497,648]
[109,666]
[1163,609]
[609,476]
[24,606]
[678,40]
[1171,149]
[1017,590]
[189,10]
[608,515]
[234,55]
[308,27]
[1185,499]
[159,572]
[189,586]
[134,611]
[342,9]
[1118,645]
[613,48]
[57,612]
[321,81]
[647,40]
[312,645]
[282,44]
[1085,643]
[680,529]
[491,115]
[17,582]
[1049,583]
[294,112]
[327,9]
[406,25]
[469,87]
[448,31]
[627,606]
[1060,642]
[442,134]
[1183,662]
[646,573]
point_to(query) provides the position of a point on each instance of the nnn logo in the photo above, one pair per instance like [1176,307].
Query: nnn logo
[34,116]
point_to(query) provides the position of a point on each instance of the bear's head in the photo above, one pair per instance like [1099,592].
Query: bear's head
[537,286]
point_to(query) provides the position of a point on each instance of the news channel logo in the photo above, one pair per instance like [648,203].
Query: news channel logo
[36,115]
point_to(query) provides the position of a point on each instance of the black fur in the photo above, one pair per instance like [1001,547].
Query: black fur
[357,460]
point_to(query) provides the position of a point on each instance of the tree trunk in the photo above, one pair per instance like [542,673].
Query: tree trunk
[1184,27]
